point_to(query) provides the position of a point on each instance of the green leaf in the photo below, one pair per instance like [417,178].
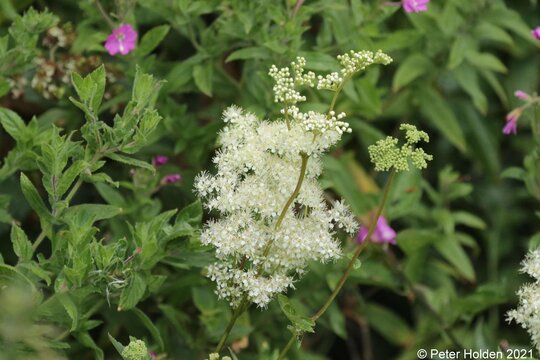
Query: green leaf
[467,78]
[387,323]
[411,68]
[21,245]
[111,195]
[13,124]
[191,214]
[85,339]
[151,327]
[117,345]
[34,200]
[301,324]
[71,309]
[131,161]
[132,293]
[10,276]
[436,110]
[90,89]
[461,47]
[202,74]
[152,39]
[486,61]
[254,52]
[69,176]
[87,214]
[204,299]
[450,249]
[471,220]
[412,240]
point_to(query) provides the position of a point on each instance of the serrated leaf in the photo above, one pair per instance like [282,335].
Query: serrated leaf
[117,345]
[13,124]
[132,293]
[459,50]
[21,245]
[71,309]
[152,39]
[34,200]
[131,161]
[467,78]
[452,251]
[486,61]
[69,176]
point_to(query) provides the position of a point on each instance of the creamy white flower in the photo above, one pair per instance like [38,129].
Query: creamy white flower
[527,313]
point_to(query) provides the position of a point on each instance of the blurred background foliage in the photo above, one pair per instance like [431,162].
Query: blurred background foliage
[463,225]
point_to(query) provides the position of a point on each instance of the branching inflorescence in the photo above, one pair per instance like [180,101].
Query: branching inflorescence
[273,217]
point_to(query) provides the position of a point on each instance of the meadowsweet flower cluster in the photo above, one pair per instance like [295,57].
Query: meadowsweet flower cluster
[385,154]
[135,350]
[273,216]
[527,313]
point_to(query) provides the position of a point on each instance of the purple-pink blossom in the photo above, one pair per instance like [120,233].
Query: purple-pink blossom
[160,160]
[122,40]
[414,6]
[536,33]
[510,128]
[171,179]
[522,95]
[383,233]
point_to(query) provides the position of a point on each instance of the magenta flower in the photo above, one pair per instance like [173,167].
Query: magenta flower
[414,6]
[536,33]
[122,40]
[383,233]
[171,179]
[510,128]
[160,160]
[522,95]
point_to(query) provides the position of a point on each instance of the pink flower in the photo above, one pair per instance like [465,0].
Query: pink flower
[536,33]
[122,40]
[510,128]
[171,179]
[383,233]
[414,6]
[160,160]
[522,95]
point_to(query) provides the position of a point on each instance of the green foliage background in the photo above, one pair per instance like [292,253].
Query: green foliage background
[117,256]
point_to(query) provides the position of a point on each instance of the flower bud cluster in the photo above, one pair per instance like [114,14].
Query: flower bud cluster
[386,155]
[329,82]
[319,123]
[356,61]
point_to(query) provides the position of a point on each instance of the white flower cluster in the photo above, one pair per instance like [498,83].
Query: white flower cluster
[527,313]
[356,61]
[258,167]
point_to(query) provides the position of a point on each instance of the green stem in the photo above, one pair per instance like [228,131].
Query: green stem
[235,315]
[104,14]
[296,191]
[350,266]
[338,90]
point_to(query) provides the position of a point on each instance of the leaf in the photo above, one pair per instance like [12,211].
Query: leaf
[486,61]
[131,161]
[132,293]
[87,214]
[387,323]
[467,78]
[34,200]
[71,309]
[111,195]
[204,299]
[460,48]
[21,245]
[450,249]
[254,52]
[301,324]
[13,124]
[85,339]
[69,176]
[151,327]
[191,214]
[202,74]
[117,345]
[152,39]
[434,109]
[412,240]
[471,220]
[10,276]
[411,68]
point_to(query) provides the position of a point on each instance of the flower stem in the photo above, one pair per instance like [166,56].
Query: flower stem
[350,266]
[104,14]
[235,315]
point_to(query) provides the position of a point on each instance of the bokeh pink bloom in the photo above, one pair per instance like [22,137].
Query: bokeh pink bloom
[171,179]
[511,121]
[536,33]
[522,95]
[122,40]
[414,6]
[160,160]
[383,233]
